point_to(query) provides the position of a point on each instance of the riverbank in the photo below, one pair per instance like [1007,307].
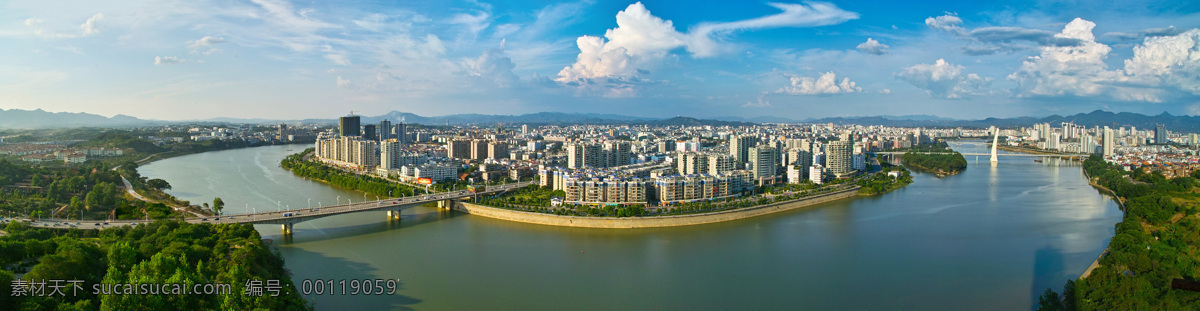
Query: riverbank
[649,222]
[1120,203]
[167,199]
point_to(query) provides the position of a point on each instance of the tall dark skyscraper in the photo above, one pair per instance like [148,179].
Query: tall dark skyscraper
[1160,135]
[348,126]
[385,130]
[369,132]
[401,132]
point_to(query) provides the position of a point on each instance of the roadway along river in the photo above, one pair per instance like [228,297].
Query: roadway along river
[989,238]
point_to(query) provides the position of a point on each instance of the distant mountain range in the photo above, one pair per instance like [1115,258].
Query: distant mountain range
[34,119]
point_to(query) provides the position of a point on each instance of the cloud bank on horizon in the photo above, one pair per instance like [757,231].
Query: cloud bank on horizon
[285,59]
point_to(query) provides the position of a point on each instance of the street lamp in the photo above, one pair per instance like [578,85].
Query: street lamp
[309,202]
[339,199]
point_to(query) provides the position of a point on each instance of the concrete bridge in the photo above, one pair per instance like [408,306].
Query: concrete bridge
[287,218]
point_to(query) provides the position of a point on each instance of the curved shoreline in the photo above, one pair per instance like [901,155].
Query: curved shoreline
[649,222]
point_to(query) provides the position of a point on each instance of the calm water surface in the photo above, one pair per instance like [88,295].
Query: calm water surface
[989,238]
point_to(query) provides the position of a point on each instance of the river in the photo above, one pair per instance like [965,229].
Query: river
[992,237]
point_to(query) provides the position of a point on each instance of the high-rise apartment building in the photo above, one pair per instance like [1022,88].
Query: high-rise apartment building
[479,149]
[348,126]
[370,133]
[1108,143]
[609,154]
[721,164]
[349,151]
[457,149]
[763,160]
[1160,135]
[689,163]
[617,153]
[392,155]
[739,147]
[497,150]
[400,130]
[838,159]
[666,146]
[385,130]
[283,132]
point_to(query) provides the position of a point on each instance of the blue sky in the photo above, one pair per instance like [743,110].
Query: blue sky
[294,59]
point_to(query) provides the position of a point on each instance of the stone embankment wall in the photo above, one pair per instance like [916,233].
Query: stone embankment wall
[648,222]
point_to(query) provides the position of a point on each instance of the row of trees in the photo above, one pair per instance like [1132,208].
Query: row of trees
[161,252]
[91,189]
[369,184]
[1153,244]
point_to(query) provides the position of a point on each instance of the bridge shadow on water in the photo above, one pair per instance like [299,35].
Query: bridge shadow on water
[319,267]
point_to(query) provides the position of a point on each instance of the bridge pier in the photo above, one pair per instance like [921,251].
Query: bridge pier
[287,229]
[393,215]
[446,204]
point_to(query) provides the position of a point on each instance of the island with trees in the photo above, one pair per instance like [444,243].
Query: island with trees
[937,158]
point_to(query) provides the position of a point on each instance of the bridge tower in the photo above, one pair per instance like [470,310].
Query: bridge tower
[995,142]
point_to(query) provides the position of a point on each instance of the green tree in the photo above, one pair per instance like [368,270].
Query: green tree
[158,184]
[218,205]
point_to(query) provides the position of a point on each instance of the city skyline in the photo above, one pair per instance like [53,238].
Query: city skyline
[284,60]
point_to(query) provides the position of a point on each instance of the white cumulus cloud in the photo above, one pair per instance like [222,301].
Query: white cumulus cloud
[1078,70]
[339,59]
[948,22]
[760,103]
[642,40]
[1173,61]
[873,47]
[167,60]
[826,84]
[945,80]
[989,40]
[495,66]
[205,42]
[342,82]
[91,26]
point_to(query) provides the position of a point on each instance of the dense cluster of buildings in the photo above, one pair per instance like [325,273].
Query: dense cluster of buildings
[45,153]
[1157,149]
[384,150]
[666,165]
